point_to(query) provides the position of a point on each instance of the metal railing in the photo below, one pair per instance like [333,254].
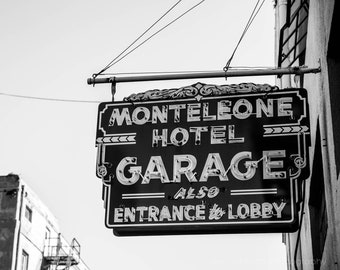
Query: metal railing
[58,251]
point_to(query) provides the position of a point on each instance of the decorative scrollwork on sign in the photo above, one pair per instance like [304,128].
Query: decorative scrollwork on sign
[101,171]
[299,163]
[200,89]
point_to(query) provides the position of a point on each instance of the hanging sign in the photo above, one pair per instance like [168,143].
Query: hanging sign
[203,159]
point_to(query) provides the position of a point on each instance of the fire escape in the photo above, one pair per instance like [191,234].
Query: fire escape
[59,255]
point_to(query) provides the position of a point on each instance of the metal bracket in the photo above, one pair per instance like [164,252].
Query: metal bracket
[202,75]
[113,87]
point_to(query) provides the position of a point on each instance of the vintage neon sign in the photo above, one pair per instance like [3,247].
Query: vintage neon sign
[203,159]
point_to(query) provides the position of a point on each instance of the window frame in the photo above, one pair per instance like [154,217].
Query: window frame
[24,260]
[28,213]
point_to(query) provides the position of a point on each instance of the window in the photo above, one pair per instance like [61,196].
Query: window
[28,213]
[24,260]
[293,35]
[47,233]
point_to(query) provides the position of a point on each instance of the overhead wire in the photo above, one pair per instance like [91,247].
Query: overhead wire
[253,15]
[120,57]
[49,99]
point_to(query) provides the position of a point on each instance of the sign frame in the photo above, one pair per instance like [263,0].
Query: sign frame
[109,141]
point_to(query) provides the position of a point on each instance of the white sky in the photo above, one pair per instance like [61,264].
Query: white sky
[49,48]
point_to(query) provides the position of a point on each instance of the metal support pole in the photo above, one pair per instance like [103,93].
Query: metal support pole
[200,75]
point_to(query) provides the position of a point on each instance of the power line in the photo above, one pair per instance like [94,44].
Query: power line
[113,62]
[50,99]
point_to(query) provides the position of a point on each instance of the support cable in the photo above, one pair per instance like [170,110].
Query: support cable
[132,50]
[138,38]
[121,56]
[250,21]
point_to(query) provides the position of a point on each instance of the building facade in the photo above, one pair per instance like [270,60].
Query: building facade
[30,237]
[307,35]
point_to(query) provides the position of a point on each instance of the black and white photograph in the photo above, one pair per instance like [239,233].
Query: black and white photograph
[175,134]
